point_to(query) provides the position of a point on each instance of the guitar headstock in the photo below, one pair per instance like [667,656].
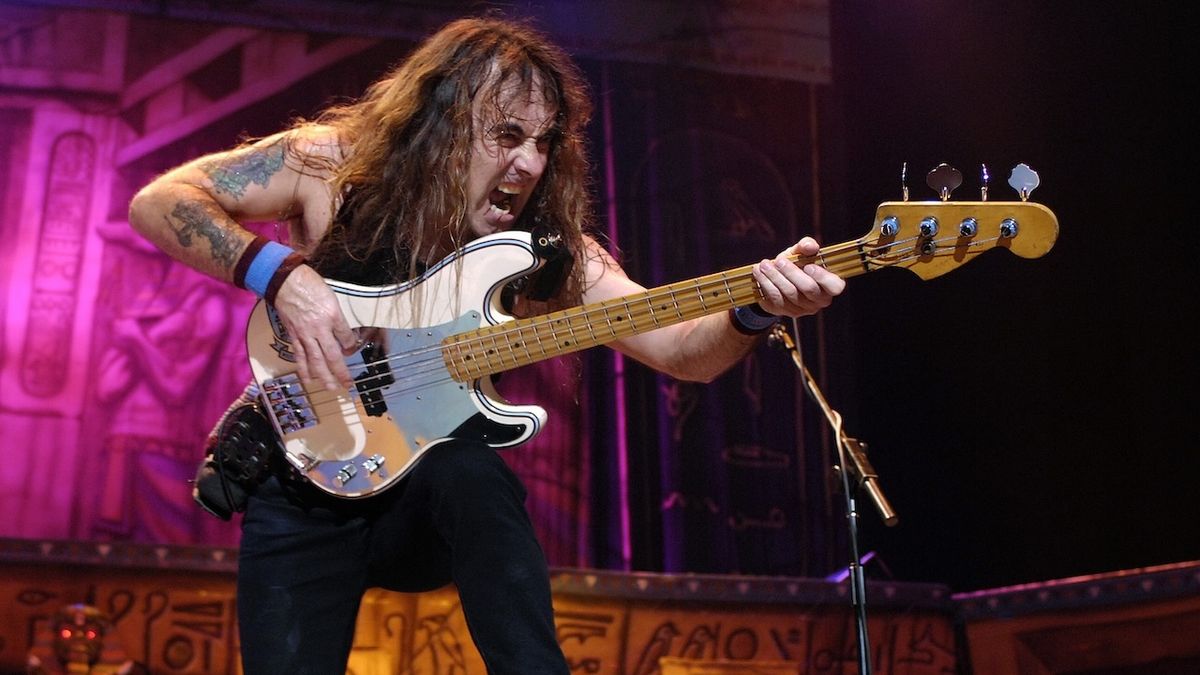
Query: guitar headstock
[932,238]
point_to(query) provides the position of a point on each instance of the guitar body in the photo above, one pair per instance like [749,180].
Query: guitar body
[356,443]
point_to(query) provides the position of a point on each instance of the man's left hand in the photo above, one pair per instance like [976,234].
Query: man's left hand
[791,290]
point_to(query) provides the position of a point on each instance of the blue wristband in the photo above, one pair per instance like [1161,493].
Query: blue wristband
[751,319]
[262,268]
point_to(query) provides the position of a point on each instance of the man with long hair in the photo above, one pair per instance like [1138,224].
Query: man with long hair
[479,131]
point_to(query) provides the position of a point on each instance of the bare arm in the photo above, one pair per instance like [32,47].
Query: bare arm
[194,213]
[703,348]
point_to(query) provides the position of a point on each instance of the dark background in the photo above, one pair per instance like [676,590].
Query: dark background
[1029,419]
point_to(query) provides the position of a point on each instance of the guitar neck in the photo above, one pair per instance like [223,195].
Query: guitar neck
[495,349]
[927,238]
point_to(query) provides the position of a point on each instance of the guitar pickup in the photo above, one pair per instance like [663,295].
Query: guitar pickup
[370,383]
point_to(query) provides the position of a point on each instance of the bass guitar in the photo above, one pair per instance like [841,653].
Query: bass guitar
[425,377]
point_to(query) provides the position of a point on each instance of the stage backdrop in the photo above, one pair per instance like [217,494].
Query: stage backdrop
[115,361]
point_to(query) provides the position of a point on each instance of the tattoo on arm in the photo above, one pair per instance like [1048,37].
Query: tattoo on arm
[233,173]
[193,218]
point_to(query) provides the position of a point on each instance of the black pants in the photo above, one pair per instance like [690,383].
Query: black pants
[459,516]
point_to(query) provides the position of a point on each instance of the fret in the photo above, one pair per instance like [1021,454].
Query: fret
[574,341]
[537,336]
[700,295]
[633,328]
[608,320]
[728,290]
[588,325]
[743,292]
[518,346]
[664,305]
[628,326]
[522,342]
[650,306]
[454,360]
[709,295]
[495,348]
[471,365]
[675,304]
[553,333]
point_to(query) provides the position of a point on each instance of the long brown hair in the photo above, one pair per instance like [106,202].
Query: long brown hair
[408,146]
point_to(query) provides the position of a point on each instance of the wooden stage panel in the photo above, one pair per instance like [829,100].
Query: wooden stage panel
[174,611]
[647,618]
[173,621]
[1143,620]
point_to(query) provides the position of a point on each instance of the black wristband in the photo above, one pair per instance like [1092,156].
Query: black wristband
[751,319]
[248,256]
[285,268]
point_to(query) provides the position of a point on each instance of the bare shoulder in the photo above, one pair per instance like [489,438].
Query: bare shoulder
[276,177]
[604,276]
[313,144]
[315,153]
[599,259]
[309,150]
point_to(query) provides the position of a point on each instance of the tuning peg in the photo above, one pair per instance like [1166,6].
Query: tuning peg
[944,179]
[904,181]
[983,182]
[1024,180]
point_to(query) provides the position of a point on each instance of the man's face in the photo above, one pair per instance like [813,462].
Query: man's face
[508,155]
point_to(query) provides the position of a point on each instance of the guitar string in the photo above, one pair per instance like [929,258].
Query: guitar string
[421,366]
[410,381]
[539,324]
[691,302]
[412,374]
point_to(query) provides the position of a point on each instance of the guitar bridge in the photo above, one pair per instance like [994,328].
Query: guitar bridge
[288,403]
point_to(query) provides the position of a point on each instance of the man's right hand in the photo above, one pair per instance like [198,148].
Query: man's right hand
[321,338]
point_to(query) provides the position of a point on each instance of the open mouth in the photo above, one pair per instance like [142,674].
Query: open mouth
[501,199]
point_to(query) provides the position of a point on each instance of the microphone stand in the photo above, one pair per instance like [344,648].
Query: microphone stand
[852,458]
